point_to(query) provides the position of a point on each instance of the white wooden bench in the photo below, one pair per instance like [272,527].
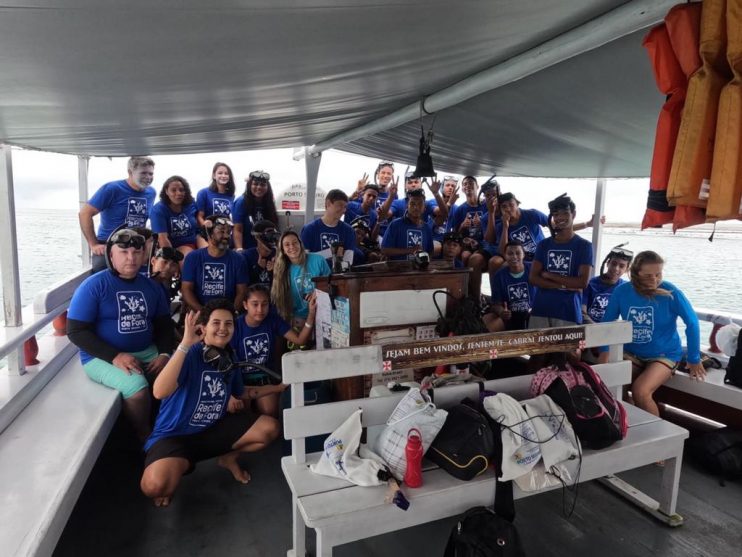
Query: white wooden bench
[342,513]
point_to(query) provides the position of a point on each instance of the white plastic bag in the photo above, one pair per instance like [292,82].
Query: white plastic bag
[345,457]
[413,410]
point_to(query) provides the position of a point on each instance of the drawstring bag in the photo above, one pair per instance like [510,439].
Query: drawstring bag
[414,410]
[344,456]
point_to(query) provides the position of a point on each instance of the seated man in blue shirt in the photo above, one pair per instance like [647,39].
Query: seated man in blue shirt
[512,295]
[123,202]
[214,271]
[365,208]
[260,259]
[328,232]
[410,234]
[120,320]
[451,247]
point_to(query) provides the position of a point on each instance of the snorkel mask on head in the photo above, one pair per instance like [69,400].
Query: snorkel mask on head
[125,238]
[265,231]
[215,220]
[617,252]
[490,185]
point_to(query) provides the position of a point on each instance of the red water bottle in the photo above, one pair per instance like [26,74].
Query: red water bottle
[413,476]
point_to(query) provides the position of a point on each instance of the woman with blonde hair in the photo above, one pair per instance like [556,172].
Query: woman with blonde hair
[653,306]
[293,271]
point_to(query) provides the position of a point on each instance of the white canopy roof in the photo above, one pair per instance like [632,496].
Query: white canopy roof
[104,77]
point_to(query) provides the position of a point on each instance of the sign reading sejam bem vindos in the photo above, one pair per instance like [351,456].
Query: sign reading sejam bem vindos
[476,348]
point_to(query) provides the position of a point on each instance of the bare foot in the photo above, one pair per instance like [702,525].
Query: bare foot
[162,501]
[230,463]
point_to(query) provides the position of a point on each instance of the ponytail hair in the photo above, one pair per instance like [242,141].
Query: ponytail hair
[644,258]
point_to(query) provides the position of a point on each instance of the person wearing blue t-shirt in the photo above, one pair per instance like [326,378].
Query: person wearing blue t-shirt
[653,306]
[367,248]
[449,194]
[253,206]
[255,338]
[410,234]
[120,320]
[123,203]
[484,248]
[560,269]
[193,424]
[215,199]
[452,243]
[388,185]
[174,217]
[512,294]
[215,271]
[596,296]
[365,208]
[293,288]
[327,231]
[261,258]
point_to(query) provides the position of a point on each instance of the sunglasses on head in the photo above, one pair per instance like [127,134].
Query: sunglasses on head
[260,175]
[450,179]
[223,221]
[386,163]
[128,239]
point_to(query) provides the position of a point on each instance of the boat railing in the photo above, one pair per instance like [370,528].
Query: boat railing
[31,364]
[718,319]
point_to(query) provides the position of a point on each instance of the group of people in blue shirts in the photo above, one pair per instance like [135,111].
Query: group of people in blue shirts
[248,288]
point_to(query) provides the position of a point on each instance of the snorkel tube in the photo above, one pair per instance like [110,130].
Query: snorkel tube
[617,252]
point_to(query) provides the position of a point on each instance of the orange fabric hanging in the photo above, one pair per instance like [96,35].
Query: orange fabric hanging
[691,167]
[671,81]
[725,195]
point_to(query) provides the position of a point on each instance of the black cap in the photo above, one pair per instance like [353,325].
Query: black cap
[171,254]
[263,226]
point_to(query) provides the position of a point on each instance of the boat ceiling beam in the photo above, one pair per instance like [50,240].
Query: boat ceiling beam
[9,256]
[617,23]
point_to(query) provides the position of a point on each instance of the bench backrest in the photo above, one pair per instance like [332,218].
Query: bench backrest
[299,367]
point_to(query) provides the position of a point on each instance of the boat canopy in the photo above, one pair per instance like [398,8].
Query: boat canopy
[535,87]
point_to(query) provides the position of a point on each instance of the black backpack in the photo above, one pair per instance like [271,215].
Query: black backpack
[465,318]
[719,452]
[734,367]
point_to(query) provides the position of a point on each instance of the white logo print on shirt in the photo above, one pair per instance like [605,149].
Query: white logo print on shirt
[518,296]
[326,239]
[180,225]
[523,235]
[214,279]
[559,261]
[221,207]
[132,311]
[136,211]
[642,319]
[211,399]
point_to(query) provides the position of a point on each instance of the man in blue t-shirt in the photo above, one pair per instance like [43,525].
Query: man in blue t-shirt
[327,231]
[214,271]
[560,269]
[120,320]
[512,294]
[260,259]
[410,234]
[120,203]
[365,208]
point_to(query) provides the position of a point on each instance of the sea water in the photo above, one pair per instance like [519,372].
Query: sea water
[707,272]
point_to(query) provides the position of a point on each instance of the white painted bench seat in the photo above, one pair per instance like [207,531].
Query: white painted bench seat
[341,512]
[713,388]
[46,455]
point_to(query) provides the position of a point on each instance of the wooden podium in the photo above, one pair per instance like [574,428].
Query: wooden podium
[357,308]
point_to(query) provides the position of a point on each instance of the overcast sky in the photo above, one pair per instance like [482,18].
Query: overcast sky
[49,181]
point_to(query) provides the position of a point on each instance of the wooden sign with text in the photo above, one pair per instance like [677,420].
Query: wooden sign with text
[476,348]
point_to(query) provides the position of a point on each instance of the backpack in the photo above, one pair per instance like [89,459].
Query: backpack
[719,451]
[465,444]
[465,318]
[733,375]
[597,417]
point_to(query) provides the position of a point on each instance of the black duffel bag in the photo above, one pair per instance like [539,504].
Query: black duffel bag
[465,444]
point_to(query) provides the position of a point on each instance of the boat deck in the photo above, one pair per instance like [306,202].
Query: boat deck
[212,515]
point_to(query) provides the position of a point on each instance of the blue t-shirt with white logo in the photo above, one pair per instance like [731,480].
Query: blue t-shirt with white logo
[300,278]
[214,203]
[403,233]
[246,219]
[354,210]
[256,273]
[255,344]
[563,259]
[458,216]
[399,208]
[596,297]
[516,291]
[214,277]
[654,322]
[199,401]
[317,237]
[526,231]
[121,310]
[120,204]
[180,227]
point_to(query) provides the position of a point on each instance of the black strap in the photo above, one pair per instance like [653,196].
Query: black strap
[504,504]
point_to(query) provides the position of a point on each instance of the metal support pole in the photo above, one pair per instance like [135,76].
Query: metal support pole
[311,163]
[82,190]
[9,257]
[600,189]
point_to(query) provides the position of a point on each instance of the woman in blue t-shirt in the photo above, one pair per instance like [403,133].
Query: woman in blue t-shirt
[653,306]
[256,204]
[193,423]
[173,218]
[254,341]
[292,288]
[217,198]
